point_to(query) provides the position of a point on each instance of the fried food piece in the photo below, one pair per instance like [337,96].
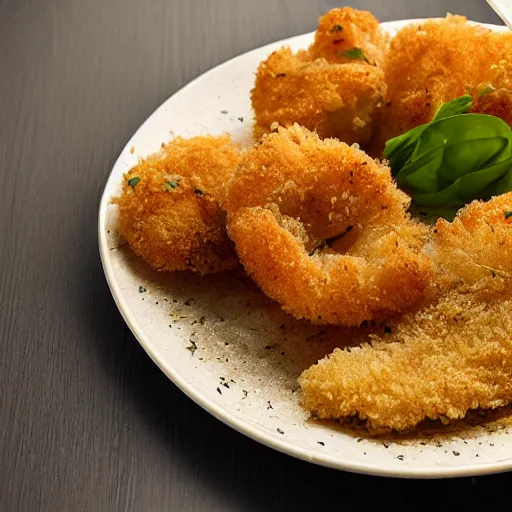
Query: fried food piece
[477,244]
[493,95]
[439,363]
[170,209]
[342,30]
[333,88]
[438,60]
[290,206]
[449,357]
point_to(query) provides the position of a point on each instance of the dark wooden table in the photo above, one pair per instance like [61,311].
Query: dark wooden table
[87,422]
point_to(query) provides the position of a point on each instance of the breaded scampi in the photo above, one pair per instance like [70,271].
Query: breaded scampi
[170,209]
[438,60]
[449,357]
[323,230]
[335,88]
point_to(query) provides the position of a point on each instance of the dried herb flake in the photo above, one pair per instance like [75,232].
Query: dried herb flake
[354,53]
[171,185]
[486,90]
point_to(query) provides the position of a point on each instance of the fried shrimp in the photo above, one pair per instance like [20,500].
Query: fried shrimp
[291,208]
[438,60]
[477,244]
[335,88]
[439,363]
[170,209]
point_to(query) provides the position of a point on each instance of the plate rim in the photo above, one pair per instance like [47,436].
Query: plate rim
[240,424]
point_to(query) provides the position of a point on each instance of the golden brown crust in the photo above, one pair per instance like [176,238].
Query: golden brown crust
[477,244]
[438,60]
[321,89]
[343,29]
[173,216]
[294,191]
[449,357]
[439,363]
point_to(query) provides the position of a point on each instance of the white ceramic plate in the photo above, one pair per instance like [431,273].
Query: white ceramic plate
[232,350]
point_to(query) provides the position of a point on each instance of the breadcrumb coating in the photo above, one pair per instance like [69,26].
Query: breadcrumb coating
[170,209]
[477,244]
[327,90]
[438,60]
[344,29]
[439,363]
[449,357]
[292,202]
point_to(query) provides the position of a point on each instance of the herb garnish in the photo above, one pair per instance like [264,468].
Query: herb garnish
[280,431]
[133,181]
[486,90]
[337,28]
[171,185]
[507,215]
[142,289]
[192,347]
[455,158]
[354,53]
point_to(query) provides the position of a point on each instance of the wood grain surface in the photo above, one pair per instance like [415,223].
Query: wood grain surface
[87,421]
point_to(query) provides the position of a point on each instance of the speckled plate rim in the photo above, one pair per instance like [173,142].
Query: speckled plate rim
[241,425]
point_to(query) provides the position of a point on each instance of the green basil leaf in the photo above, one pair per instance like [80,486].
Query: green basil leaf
[474,185]
[465,189]
[460,128]
[422,172]
[455,107]
[463,158]
[452,160]
[398,150]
